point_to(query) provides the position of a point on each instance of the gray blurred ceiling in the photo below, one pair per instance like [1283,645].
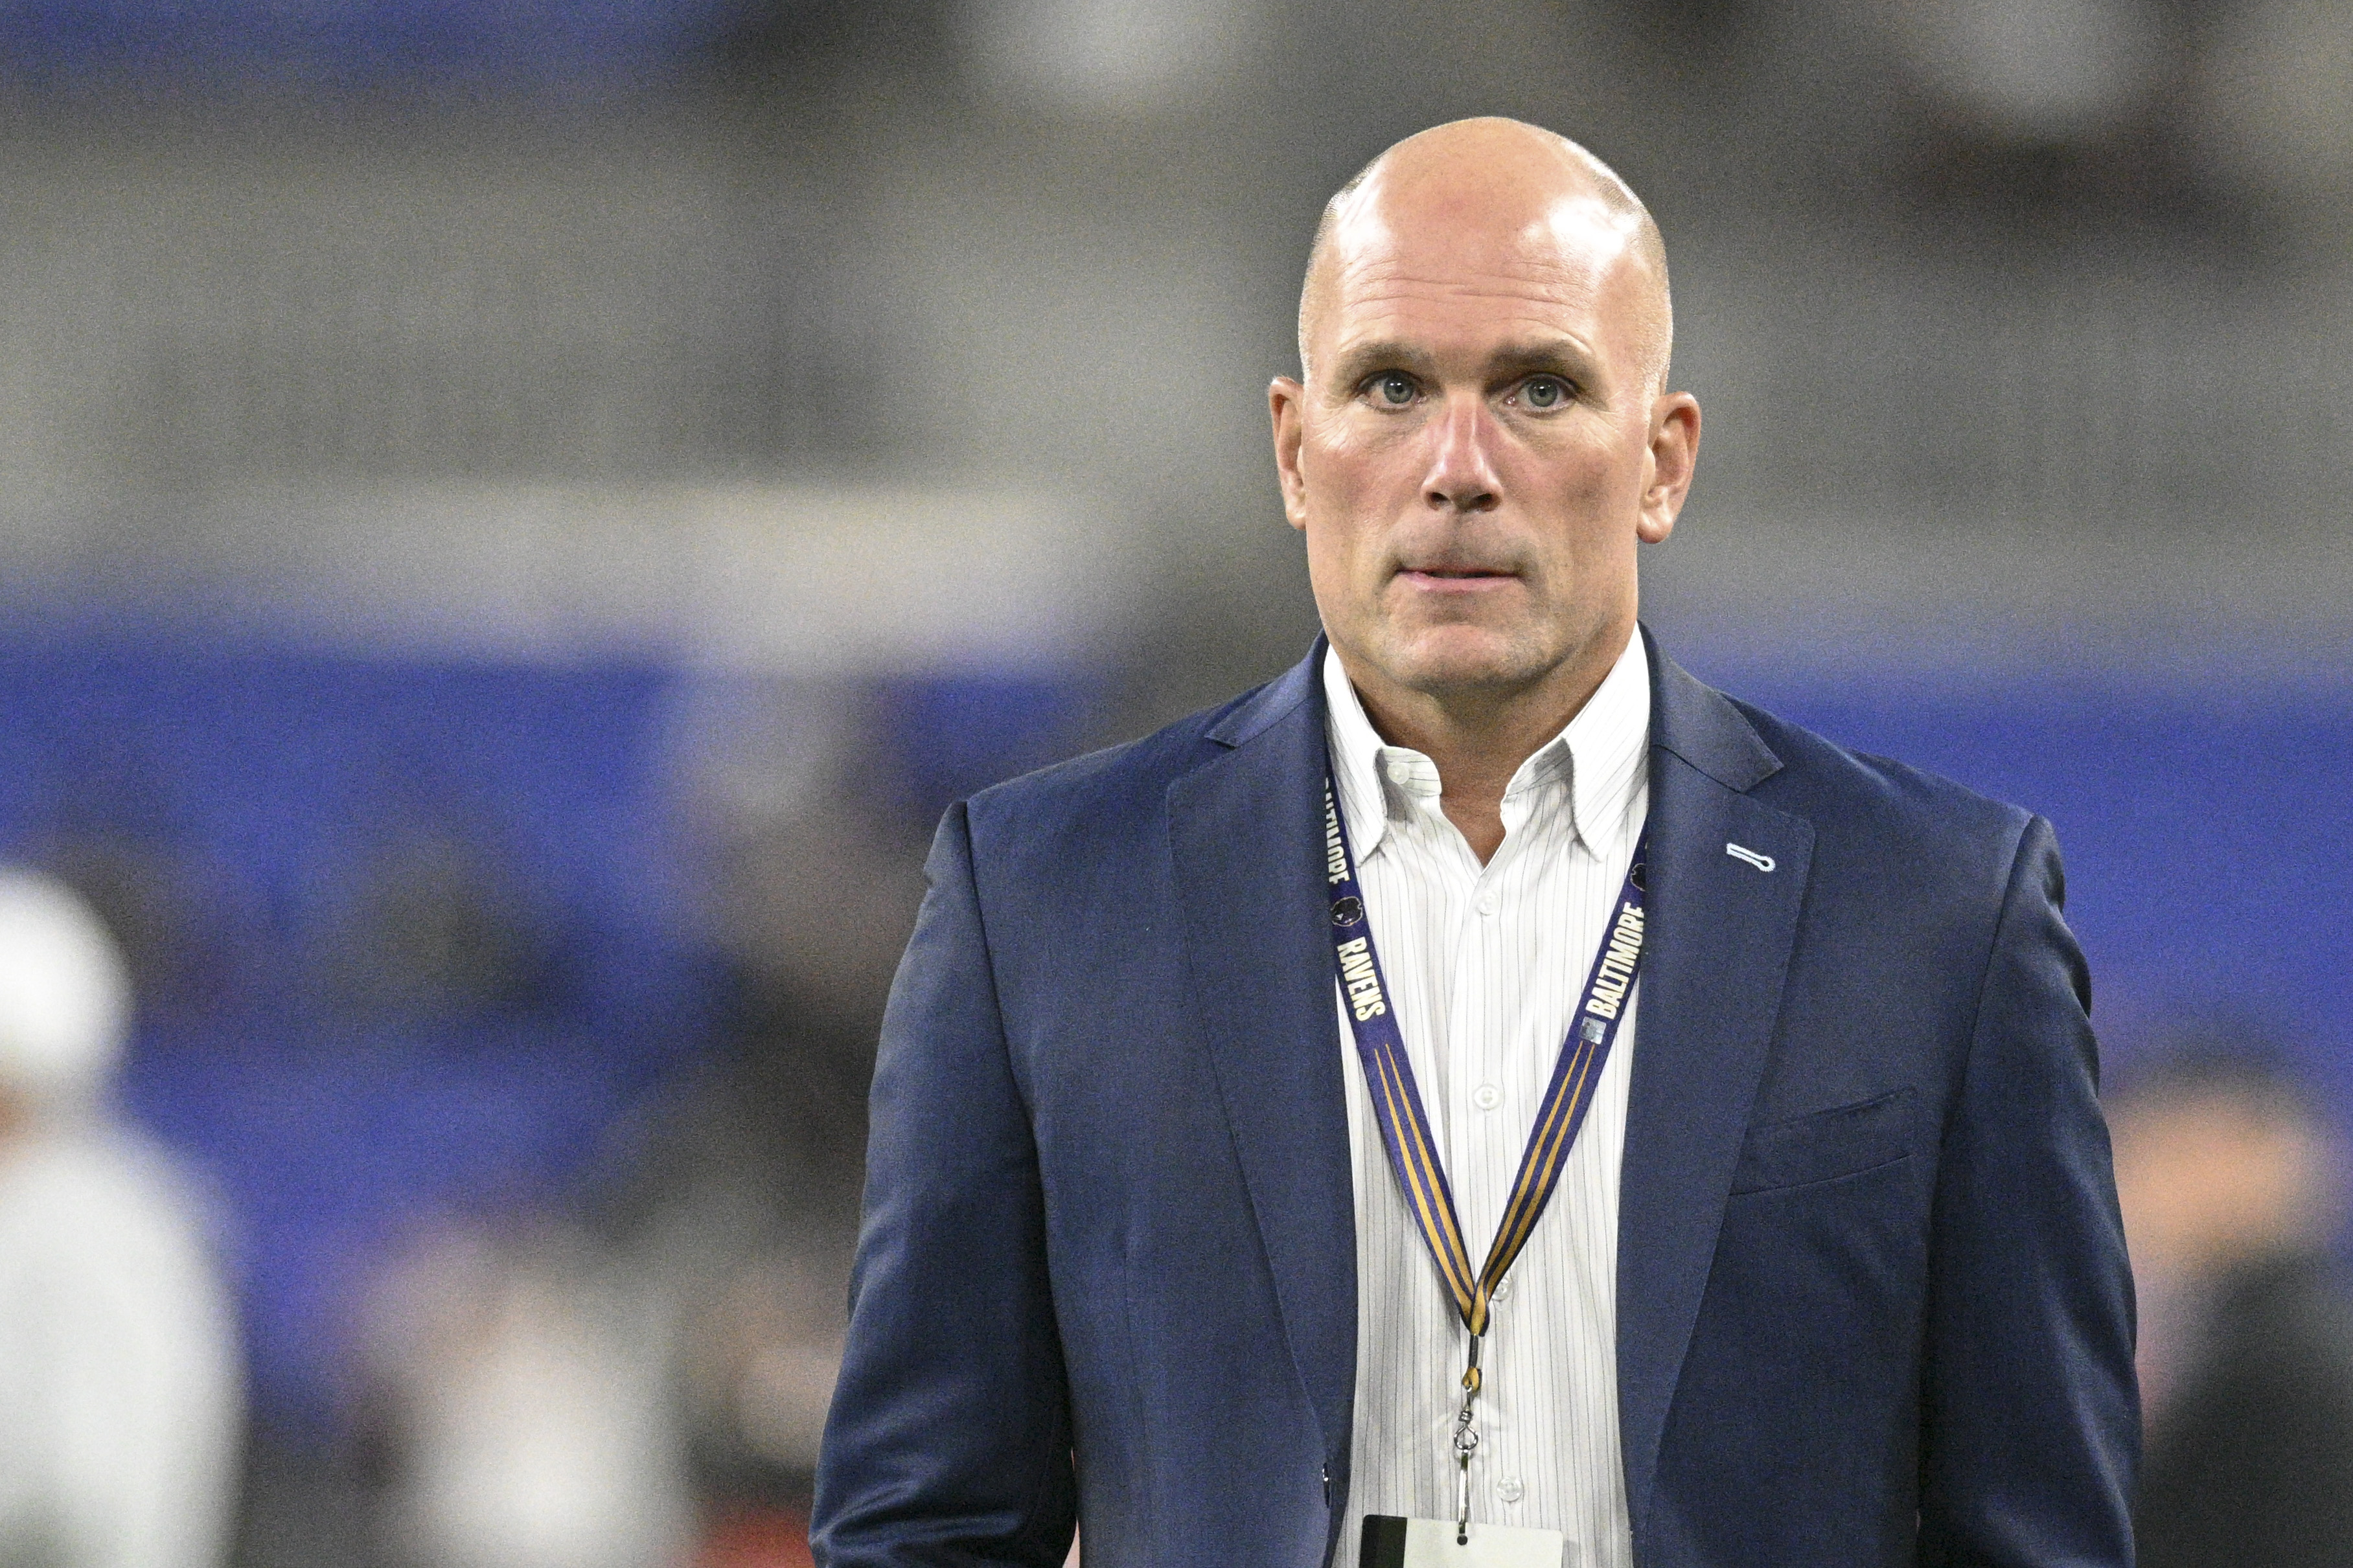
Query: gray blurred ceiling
[2012,318]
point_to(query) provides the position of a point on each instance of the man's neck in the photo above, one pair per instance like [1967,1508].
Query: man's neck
[1479,738]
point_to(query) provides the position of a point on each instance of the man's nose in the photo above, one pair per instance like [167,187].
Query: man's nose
[1462,472]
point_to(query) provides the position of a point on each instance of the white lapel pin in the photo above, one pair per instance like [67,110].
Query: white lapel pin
[1742,852]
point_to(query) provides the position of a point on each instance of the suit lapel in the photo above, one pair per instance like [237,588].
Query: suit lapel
[1246,834]
[1721,933]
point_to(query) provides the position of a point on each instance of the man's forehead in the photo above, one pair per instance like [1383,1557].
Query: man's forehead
[1567,271]
[1573,237]
[1468,224]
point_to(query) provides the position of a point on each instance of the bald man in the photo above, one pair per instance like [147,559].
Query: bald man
[1485,1097]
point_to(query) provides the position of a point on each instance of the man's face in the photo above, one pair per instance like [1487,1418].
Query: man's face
[1480,445]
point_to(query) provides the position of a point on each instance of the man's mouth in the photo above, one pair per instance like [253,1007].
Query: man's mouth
[1443,579]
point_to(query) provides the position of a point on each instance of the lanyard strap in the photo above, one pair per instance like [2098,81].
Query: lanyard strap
[1396,1101]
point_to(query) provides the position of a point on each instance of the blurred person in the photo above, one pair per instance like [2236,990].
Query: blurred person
[1832,1274]
[748,1186]
[2230,1184]
[119,1402]
[522,1374]
[761,1363]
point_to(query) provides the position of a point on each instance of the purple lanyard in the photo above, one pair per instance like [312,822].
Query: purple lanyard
[1396,1103]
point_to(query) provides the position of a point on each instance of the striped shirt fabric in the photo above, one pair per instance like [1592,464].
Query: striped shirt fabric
[1484,965]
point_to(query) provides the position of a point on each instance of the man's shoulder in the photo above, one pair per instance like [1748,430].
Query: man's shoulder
[1125,784]
[1878,806]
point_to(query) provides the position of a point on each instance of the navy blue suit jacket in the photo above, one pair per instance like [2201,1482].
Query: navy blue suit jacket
[1872,1305]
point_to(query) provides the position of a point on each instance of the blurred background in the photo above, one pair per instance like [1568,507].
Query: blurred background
[516,518]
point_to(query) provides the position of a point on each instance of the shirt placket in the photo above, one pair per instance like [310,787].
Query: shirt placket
[1488,1090]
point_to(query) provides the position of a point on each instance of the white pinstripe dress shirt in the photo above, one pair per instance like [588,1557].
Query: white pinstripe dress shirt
[1484,965]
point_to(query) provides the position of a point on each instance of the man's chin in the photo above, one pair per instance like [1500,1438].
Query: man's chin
[1459,659]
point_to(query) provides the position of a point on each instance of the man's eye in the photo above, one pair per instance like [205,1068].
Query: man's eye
[1396,388]
[1544,392]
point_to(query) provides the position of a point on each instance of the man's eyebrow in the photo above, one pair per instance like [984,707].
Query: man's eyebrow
[1562,355]
[1357,360]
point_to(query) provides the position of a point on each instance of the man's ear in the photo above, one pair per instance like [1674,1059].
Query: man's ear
[1674,453]
[1286,404]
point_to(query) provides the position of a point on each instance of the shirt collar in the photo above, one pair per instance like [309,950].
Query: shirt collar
[1603,753]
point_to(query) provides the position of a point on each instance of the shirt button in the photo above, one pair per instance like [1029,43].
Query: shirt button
[1510,1490]
[1504,1292]
[1486,1097]
[1486,903]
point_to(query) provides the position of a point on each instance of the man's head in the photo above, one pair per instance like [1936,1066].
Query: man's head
[1482,433]
[2221,1156]
[65,1004]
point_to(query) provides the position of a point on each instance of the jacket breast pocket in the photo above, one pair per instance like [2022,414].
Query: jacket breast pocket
[1843,1140]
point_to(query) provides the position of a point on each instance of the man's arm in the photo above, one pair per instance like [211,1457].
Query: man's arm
[2030,1426]
[949,1441]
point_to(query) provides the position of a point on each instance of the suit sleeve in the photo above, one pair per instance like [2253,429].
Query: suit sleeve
[948,1442]
[2030,1426]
